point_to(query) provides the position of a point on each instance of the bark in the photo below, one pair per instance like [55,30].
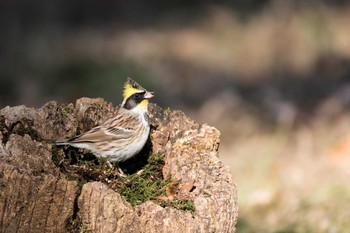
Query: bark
[37,195]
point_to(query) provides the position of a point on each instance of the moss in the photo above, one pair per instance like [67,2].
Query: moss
[148,183]
[80,185]
[83,228]
[65,111]
[185,205]
[167,111]
[142,185]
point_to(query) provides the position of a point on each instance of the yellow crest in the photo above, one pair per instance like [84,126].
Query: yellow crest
[131,87]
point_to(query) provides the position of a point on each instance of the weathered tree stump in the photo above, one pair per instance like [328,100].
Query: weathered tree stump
[37,194]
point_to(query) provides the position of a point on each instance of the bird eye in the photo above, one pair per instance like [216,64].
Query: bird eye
[137,96]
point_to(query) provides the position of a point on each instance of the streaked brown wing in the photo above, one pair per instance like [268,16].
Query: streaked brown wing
[103,135]
[116,128]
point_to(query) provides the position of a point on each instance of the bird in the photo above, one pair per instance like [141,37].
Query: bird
[125,134]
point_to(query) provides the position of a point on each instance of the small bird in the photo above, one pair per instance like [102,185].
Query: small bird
[122,136]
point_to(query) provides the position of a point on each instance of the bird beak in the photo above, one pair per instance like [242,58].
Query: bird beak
[148,95]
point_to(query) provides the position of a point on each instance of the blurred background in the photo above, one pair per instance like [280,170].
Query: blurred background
[273,76]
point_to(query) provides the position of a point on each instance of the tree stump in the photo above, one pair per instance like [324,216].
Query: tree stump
[39,192]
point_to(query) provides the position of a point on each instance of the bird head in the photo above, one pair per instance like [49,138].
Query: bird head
[134,95]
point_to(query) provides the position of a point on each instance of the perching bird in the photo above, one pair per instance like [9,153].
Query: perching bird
[122,136]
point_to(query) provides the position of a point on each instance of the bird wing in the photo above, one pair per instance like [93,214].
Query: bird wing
[113,129]
[103,134]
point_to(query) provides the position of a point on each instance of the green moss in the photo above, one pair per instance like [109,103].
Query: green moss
[103,162]
[185,205]
[83,228]
[80,185]
[167,111]
[66,111]
[146,183]
[149,183]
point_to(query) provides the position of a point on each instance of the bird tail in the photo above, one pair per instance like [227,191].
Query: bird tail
[62,142]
